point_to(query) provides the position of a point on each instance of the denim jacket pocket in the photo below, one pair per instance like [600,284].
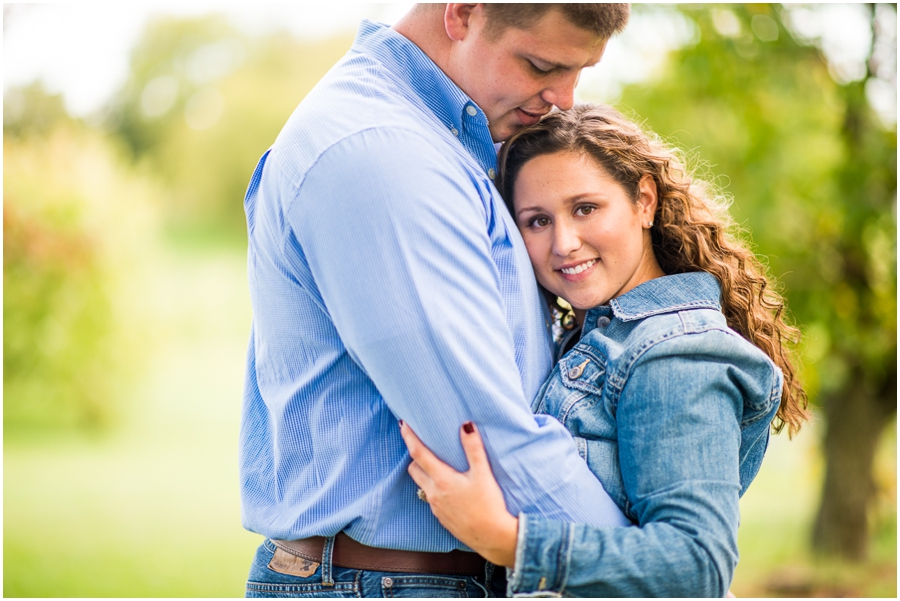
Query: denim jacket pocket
[579,375]
[584,369]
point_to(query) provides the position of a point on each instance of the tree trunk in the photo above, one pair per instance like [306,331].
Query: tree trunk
[856,418]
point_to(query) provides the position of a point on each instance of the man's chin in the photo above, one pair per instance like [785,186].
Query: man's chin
[504,131]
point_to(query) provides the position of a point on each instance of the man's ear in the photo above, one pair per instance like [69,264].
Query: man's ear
[457,19]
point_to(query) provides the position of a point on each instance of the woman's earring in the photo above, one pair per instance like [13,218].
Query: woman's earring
[649,224]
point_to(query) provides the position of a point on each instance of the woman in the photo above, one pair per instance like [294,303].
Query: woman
[670,390]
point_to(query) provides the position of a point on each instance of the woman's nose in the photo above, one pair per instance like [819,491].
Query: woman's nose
[566,239]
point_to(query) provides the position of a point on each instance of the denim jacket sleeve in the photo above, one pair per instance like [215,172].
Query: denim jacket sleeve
[679,416]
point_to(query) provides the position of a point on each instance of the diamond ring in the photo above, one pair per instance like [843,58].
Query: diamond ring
[421,494]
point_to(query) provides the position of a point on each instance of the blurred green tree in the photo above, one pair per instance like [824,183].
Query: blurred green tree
[31,110]
[813,174]
[202,104]
[73,220]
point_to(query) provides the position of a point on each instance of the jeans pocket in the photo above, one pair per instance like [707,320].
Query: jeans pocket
[271,577]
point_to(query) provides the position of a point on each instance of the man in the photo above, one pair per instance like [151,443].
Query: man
[389,282]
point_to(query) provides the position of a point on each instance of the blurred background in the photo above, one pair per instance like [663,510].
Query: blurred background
[129,135]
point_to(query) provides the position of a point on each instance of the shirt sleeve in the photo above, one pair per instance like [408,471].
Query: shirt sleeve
[395,235]
[678,420]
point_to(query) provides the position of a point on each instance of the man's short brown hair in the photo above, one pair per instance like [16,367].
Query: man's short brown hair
[603,20]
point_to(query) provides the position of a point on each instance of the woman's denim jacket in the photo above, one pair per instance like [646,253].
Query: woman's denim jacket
[671,410]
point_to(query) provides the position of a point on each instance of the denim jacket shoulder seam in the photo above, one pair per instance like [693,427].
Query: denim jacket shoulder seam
[621,374]
[697,304]
[618,377]
[633,354]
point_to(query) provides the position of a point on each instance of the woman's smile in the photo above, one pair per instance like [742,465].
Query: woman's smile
[579,271]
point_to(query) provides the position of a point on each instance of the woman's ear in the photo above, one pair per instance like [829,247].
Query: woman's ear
[647,200]
[457,20]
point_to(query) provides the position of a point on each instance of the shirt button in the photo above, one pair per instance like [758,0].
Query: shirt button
[603,321]
[454,131]
[491,173]
[471,110]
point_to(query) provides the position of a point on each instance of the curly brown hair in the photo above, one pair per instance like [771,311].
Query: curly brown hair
[692,229]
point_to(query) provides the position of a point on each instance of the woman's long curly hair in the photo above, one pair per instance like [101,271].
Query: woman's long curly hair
[692,229]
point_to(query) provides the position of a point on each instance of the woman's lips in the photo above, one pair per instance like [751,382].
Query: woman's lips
[586,268]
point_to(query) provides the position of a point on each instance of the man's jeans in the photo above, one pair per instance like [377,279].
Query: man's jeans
[331,581]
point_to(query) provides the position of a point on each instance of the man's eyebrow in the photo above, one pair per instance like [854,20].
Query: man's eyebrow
[552,64]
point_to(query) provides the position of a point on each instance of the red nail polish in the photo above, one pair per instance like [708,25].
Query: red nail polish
[401,422]
[468,428]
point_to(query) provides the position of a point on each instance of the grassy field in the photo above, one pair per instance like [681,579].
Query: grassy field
[776,516]
[153,509]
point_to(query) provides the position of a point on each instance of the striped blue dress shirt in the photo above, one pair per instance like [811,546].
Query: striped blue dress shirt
[389,281]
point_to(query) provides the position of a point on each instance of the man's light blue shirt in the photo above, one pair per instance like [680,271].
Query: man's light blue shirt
[389,281]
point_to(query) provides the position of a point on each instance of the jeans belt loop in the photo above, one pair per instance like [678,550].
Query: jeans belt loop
[327,552]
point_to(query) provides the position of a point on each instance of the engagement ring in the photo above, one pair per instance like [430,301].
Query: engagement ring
[421,494]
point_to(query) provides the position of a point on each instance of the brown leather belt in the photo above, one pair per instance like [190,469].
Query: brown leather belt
[348,553]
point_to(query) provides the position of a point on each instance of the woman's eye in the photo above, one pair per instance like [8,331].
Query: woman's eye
[585,210]
[539,222]
[538,69]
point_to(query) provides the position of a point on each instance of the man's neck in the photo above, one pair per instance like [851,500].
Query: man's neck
[423,25]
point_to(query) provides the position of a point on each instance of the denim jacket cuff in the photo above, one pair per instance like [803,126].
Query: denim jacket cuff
[542,553]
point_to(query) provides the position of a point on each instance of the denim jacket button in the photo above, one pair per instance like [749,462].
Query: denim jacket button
[602,321]
[576,371]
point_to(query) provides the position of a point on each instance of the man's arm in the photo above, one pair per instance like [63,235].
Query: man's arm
[396,238]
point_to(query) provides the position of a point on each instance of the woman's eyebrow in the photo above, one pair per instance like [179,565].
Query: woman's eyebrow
[527,209]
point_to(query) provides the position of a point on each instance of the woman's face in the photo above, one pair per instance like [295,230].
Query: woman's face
[587,240]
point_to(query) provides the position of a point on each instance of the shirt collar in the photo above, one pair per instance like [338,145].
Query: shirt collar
[695,290]
[407,62]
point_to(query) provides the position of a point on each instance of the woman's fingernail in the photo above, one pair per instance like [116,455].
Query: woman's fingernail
[400,422]
[468,428]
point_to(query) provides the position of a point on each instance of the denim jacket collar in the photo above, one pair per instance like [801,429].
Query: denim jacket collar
[668,294]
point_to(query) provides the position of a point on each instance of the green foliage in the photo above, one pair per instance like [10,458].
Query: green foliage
[30,110]
[174,60]
[72,220]
[811,171]
[53,315]
[202,105]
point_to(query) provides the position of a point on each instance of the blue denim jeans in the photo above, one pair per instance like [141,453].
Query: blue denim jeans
[329,580]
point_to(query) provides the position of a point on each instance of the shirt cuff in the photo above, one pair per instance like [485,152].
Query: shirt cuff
[542,557]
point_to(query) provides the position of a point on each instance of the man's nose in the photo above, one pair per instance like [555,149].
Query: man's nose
[562,93]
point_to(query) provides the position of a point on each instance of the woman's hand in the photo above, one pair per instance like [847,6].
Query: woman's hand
[470,505]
